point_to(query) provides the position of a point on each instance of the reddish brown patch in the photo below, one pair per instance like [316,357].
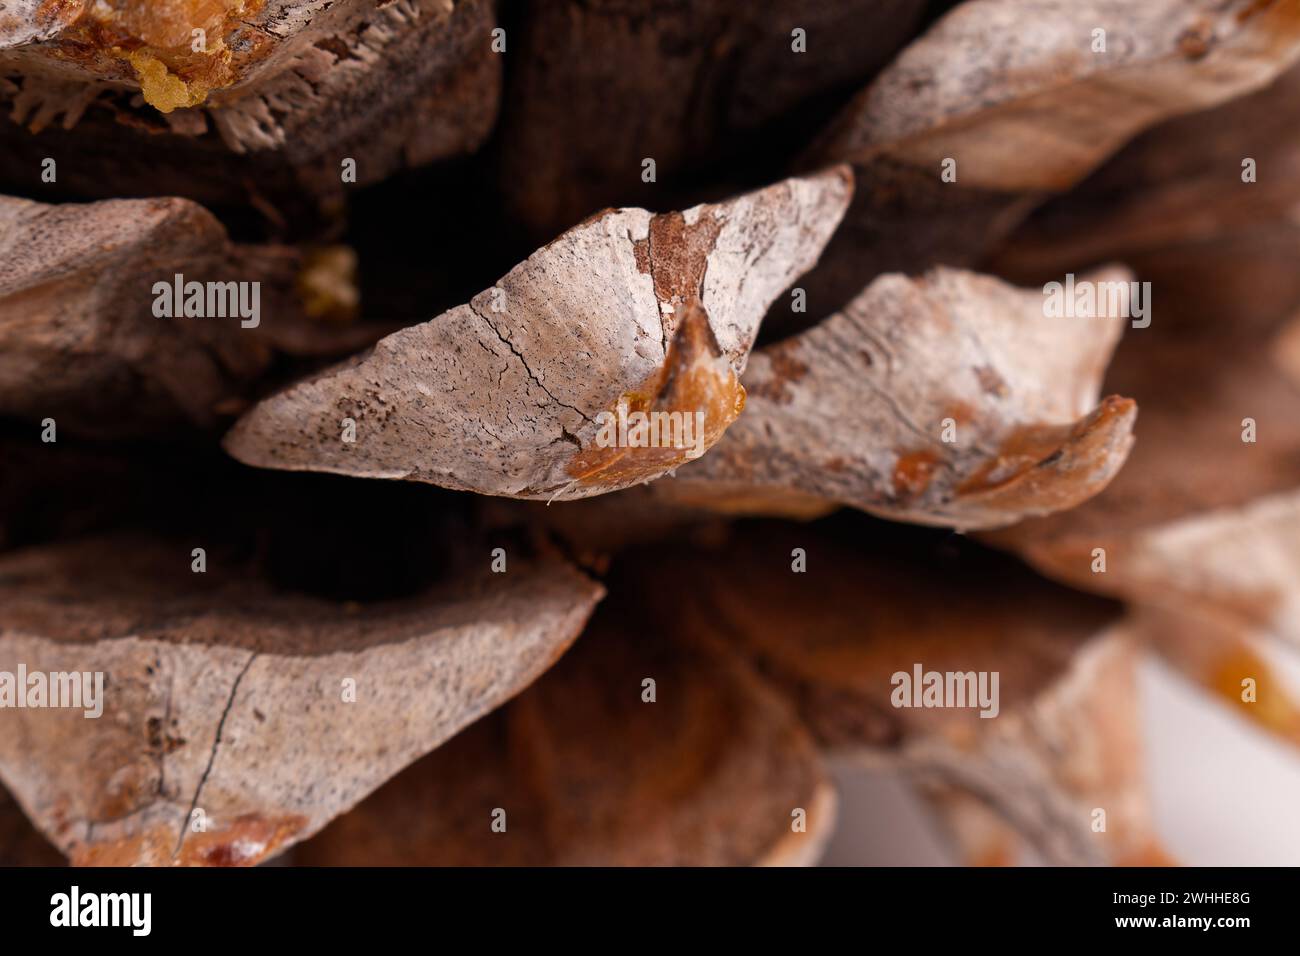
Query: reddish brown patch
[913,472]
[689,381]
[1023,449]
[248,840]
[997,855]
[1253,8]
[960,413]
[1051,467]
[694,376]
[52,11]
[153,848]
[1279,22]
[679,253]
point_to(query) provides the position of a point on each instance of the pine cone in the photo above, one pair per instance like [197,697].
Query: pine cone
[475,433]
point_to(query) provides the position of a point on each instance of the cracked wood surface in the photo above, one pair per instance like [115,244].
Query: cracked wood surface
[505,395]
[861,408]
[222,696]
